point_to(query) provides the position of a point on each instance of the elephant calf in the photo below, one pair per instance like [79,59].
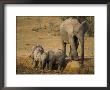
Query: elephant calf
[57,58]
[39,57]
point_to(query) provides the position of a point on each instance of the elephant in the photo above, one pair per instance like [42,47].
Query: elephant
[58,59]
[72,32]
[39,57]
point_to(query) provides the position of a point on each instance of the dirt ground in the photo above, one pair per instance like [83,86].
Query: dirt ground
[32,30]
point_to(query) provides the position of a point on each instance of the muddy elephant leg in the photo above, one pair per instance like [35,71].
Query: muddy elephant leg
[39,65]
[50,66]
[43,65]
[36,63]
[59,68]
[33,63]
[62,68]
[73,47]
[47,65]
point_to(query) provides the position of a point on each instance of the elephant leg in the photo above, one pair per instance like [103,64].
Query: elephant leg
[59,68]
[62,67]
[43,65]
[81,38]
[82,51]
[70,53]
[76,42]
[39,65]
[50,66]
[47,65]
[73,47]
[64,47]
[76,45]
[33,63]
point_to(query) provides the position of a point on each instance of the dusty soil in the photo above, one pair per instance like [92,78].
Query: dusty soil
[29,33]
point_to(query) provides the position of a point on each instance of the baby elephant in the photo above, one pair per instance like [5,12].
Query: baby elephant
[57,58]
[39,57]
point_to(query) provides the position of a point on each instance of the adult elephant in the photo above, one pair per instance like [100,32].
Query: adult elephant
[72,32]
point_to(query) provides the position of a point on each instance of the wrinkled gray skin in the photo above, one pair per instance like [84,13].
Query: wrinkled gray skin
[39,57]
[72,32]
[57,58]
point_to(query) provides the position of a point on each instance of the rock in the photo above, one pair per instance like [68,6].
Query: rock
[73,66]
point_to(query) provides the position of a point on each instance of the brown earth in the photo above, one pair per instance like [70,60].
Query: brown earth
[32,30]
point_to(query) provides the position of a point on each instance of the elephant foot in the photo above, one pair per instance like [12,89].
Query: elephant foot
[42,71]
[81,64]
[76,58]
[72,58]
[59,72]
[37,69]
[49,71]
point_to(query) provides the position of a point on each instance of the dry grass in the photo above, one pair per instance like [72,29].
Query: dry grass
[29,32]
